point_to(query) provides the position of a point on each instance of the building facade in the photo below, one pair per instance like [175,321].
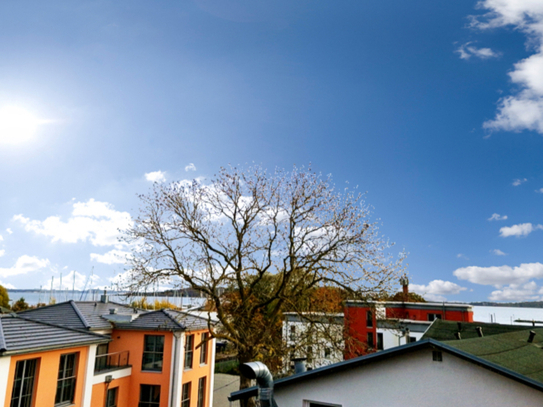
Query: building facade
[98,354]
[378,325]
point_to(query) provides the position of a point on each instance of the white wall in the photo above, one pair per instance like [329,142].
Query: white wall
[318,345]
[5,362]
[412,380]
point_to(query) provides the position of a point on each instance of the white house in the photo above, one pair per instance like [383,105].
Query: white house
[424,373]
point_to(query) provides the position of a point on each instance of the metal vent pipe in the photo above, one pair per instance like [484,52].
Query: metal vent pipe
[264,379]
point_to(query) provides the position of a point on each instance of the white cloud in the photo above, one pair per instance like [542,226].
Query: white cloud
[111,257]
[7,285]
[81,281]
[24,264]
[2,252]
[156,176]
[523,110]
[516,292]
[523,229]
[462,256]
[467,51]
[190,167]
[94,221]
[437,287]
[519,181]
[9,231]
[498,252]
[1,238]
[498,276]
[539,191]
[497,216]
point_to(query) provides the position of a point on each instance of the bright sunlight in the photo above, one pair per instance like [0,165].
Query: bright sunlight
[17,125]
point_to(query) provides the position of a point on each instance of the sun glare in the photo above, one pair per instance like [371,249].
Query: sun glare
[17,125]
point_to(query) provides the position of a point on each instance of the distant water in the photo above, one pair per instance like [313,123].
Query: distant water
[507,315]
[34,297]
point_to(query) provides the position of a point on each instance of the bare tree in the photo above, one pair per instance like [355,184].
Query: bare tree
[269,239]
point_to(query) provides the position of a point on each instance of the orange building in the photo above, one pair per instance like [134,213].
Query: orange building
[96,354]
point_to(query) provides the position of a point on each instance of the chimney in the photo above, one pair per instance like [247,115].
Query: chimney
[531,337]
[299,365]
[479,331]
[104,298]
[404,281]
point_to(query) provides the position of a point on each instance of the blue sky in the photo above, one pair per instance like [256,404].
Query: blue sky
[434,108]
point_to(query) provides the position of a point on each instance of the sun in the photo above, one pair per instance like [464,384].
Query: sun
[17,125]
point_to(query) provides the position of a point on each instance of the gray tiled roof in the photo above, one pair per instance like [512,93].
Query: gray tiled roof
[21,335]
[165,320]
[93,315]
[63,314]
[77,314]
[93,311]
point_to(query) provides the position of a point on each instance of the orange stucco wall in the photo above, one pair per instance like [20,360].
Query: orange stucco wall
[134,342]
[198,370]
[99,392]
[45,385]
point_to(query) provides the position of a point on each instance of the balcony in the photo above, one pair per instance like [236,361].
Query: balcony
[111,361]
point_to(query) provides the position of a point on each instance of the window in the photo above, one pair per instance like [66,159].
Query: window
[203,348]
[101,359]
[149,396]
[185,395]
[189,350]
[111,398]
[153,353]
[412,339]
[380,341]
[292,335]
[432,317]
[201,392]
[437,356]
[66,379]
[369,319]
[327,352]
[370,339]
[23,383]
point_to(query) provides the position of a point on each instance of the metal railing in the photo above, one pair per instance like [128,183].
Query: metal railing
[108,361]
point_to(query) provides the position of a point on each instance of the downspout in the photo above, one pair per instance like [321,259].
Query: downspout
[264,379]
[174,369]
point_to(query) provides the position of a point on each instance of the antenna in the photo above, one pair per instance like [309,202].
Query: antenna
[73,286]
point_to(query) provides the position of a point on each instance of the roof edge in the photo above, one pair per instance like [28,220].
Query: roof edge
[79,314]
[374,357]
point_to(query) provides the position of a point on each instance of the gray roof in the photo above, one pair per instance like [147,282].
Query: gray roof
[21,335]
[94,310]
[165,320]
[77,314]
[95,315]
[63,314]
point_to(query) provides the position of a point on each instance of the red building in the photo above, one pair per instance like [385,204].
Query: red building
[366,322]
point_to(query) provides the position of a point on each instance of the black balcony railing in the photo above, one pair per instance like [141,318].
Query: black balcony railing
[109,361]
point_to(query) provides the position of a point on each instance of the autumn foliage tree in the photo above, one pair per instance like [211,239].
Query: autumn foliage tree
[258,244]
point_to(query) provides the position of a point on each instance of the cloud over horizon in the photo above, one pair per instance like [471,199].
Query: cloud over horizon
[156,176]
[23,265]
[499,276]
[522,110]
[520,230]
[93,221]
[466,51]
